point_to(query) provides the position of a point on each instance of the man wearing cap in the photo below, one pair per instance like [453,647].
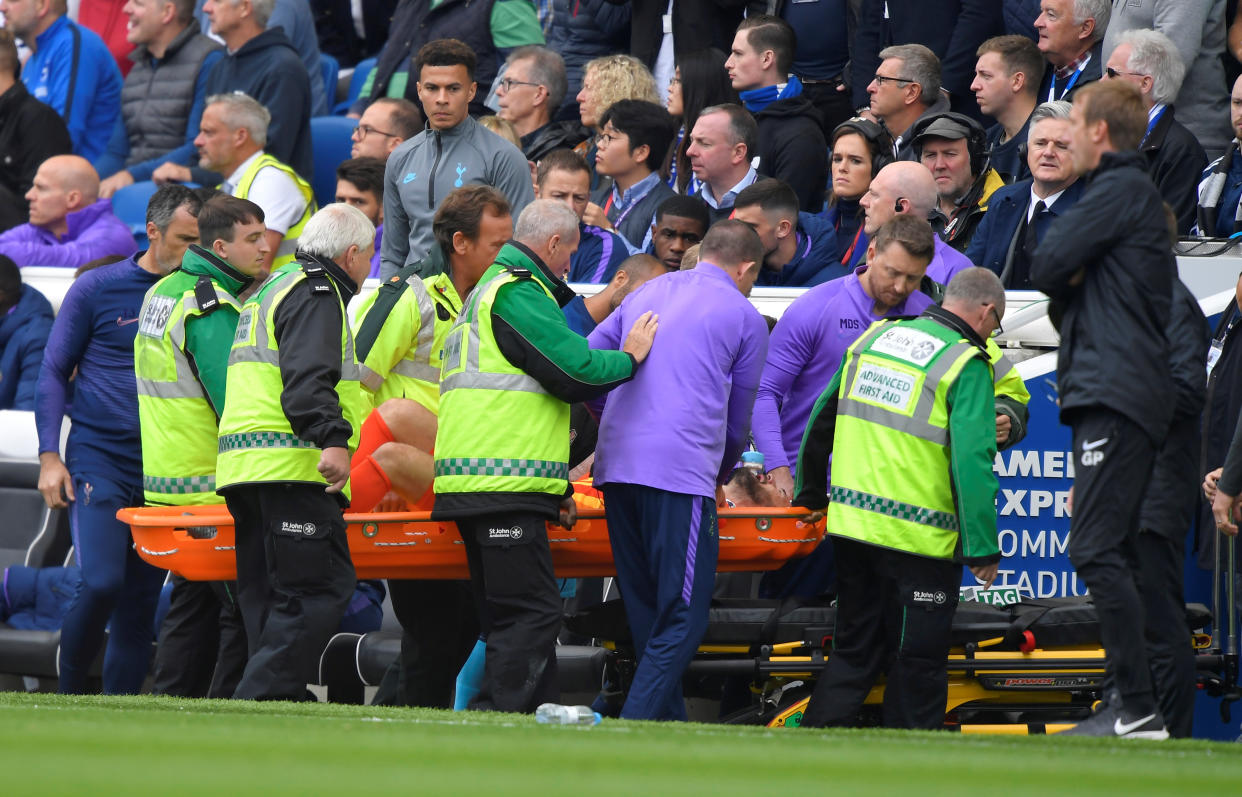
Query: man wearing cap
[954,149]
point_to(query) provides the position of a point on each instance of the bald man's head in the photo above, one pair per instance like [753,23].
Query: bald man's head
[631,274]
[642,267]
[63,184]
[901,187]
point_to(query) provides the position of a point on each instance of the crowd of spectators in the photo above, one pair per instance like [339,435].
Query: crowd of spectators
[815,124]
[651,123]
[744,95]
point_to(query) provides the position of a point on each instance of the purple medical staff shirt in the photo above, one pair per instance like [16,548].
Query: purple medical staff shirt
[805,351]
[681,423]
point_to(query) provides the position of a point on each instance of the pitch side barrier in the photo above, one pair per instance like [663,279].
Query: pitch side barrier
[1035,476]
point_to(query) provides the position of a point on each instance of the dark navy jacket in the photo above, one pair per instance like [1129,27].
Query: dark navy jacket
[1006,210]
[815,260]
[599,254]
[23,336]
[37,598]
[271,71]
[1092,72]
[580,31]
[953,29]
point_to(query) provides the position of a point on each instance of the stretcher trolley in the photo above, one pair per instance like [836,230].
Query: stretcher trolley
[1031,667]
[196,542]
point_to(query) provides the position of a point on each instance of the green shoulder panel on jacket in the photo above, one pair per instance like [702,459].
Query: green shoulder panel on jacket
[528,309]
[972,430]
[208,340]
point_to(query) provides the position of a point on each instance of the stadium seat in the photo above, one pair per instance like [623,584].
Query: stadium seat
[330,68]
[130,206]
[356,82]
[331,143]
[35,536]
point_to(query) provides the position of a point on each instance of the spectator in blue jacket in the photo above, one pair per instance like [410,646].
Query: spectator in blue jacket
[37,598]
[1019,215]
[295,19]
[263,64]
[800,249]
[25,321]
[70,69]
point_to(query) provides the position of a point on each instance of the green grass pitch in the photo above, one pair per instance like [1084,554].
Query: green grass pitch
[52,745]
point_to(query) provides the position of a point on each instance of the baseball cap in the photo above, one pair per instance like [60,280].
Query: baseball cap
[944,127]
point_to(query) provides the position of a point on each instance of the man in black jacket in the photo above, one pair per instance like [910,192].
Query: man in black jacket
[1165,516]
[30,133]
[693,24]
[904,91]
[529,96]
[1175,159]
[1110,275]
[791,144]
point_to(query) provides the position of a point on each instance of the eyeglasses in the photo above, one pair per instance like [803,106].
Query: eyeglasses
[362,131]
[999,329]
[604,139]
[1113,73]
[879,79]
[508,83]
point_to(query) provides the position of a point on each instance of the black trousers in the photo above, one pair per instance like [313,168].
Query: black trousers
[519,607]
[895,614]
[1113,465]
[1169,651]
[202,643]
[439,629]
[833,106]
[294,582]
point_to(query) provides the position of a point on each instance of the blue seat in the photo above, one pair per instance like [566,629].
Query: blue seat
[330,68]
[130,206]
[331,143]
[356,82]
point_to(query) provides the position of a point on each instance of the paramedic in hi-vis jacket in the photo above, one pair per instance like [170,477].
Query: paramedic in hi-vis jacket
[909,423]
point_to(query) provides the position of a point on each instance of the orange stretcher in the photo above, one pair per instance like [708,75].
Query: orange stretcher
[196,542]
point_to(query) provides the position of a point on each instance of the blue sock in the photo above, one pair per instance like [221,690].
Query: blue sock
[470,679]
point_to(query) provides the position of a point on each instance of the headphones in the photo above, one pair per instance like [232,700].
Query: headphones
[897,204]
[879,140]
[976,138]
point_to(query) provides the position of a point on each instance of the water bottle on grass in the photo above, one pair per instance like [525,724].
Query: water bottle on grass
[556,714]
